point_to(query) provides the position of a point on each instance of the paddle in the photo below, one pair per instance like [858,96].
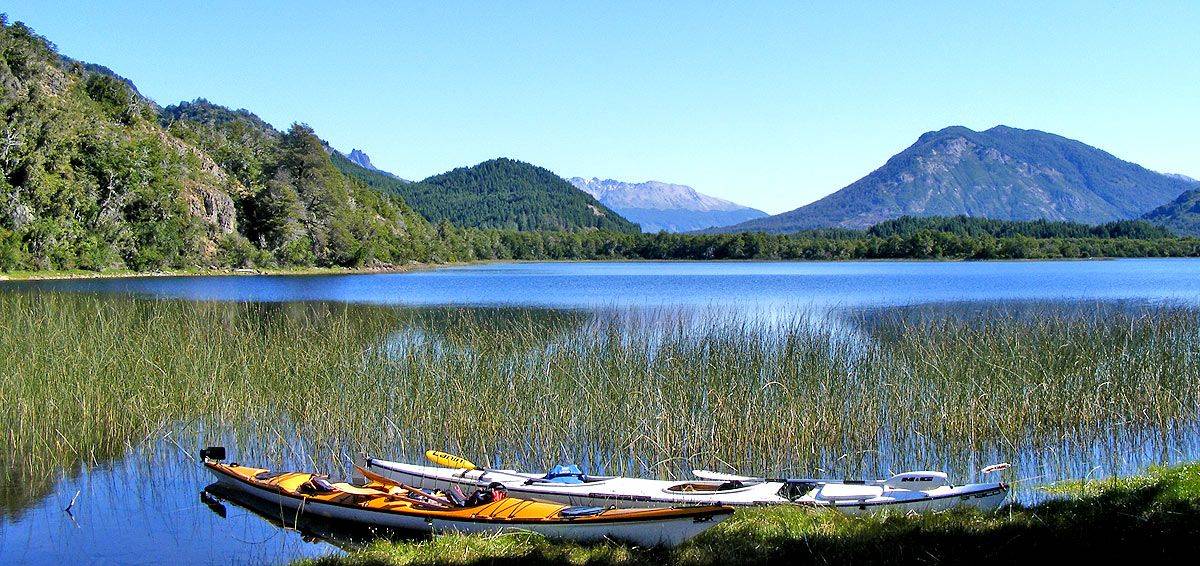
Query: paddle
[447,460]
[389,481]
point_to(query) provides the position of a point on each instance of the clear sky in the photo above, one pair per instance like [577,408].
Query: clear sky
[772,105]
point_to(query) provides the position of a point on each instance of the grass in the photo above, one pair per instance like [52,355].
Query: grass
[118,273]
[1149,518]
[85,379]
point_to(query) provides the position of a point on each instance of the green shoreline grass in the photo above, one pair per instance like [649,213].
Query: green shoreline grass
[416,266]
[1150,518]
[124,273]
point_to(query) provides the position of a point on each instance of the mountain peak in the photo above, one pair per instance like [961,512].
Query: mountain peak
[950,131]
[656,205]
[360,158]
[1003,172]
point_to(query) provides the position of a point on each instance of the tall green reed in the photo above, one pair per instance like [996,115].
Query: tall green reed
[85,379]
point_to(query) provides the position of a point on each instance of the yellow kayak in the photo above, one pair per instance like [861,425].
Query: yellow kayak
[383,502]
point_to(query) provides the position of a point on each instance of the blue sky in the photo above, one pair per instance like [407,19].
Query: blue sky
[769,104]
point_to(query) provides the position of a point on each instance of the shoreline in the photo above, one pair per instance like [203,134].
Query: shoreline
[129,274]
[417,266]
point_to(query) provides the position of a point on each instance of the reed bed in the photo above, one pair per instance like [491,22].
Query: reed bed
[86,379]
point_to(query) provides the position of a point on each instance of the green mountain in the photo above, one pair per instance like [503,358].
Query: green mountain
[1181,215]
[379,180]
[1003,173]
[95,176]
[509,194]
[88,177]
[298,203]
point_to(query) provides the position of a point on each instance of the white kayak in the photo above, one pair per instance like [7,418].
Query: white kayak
[912,491]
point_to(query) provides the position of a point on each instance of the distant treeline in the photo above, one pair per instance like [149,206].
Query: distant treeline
[981,227]
[915,238]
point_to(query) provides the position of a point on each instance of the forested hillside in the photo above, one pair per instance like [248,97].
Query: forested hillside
[298,204]
[510,194]
[1181,215]
[988,227]
[89,178]
[95,177]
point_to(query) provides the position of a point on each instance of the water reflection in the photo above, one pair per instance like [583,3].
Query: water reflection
[143,510]
[311,528]
[749,286]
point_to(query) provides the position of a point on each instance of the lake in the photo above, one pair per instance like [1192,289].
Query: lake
[114,520]
[751,285]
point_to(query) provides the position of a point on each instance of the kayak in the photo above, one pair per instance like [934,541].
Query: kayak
[382,502]
[911,491]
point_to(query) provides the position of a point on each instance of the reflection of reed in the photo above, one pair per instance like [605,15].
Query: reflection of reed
[313,385]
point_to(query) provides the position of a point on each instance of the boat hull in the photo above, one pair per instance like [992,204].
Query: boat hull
[985,497]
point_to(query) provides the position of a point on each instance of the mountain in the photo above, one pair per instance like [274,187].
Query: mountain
[509,194]
[658,206]
[360,158]
[88,177]
[1181,215]
[379,180]
[1003,173]
[1182,177]
[95,176]
[299,206]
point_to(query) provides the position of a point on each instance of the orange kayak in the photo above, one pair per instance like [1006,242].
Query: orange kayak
[382,502]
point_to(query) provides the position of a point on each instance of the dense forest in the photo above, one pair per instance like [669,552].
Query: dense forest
[510,194]
[1181,215]
[93,176]
[96,177]
[982,227]
[915,243]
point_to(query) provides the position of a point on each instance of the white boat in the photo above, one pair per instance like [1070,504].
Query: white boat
[923,491]
[384,503]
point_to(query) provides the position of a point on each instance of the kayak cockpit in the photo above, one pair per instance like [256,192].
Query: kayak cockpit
[703,487]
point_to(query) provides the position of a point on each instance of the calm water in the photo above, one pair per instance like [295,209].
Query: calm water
[744,285]
[167,522]
[144,511]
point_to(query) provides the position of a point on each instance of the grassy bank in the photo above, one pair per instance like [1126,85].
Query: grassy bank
[87,378]
[118,273]
[1149,518]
